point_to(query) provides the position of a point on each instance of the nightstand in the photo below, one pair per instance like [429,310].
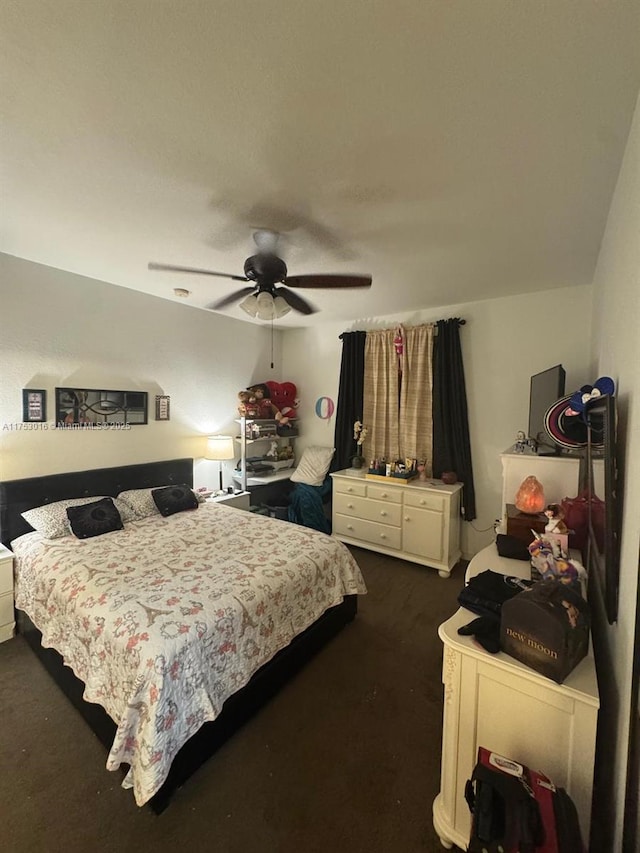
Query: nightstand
[7,619]
[241,500]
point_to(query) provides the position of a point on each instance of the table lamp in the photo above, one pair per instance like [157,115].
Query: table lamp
[220,449]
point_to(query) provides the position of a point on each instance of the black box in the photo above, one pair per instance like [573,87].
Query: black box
[547,628]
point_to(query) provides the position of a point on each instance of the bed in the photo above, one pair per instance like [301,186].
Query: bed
[174,630]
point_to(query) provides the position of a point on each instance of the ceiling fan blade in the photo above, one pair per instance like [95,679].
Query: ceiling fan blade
[328,281]
[171,268]
[296,302]
[232,297]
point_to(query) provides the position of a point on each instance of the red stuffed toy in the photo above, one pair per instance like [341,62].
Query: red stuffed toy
[283,395]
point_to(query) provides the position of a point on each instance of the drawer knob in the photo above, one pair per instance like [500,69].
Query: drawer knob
[407,518]
[383,535]
[422,502]
[349,506]
[383,512]
[384,495]
[349,489]
[349,526]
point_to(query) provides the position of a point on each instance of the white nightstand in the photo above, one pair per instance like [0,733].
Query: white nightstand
[7,619]
[241,500]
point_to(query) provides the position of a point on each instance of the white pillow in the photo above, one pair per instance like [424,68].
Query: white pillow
[313,467]
[52,522]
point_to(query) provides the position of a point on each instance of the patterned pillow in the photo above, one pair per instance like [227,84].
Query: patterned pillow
[52,522]
[141,503]
[172,499]
[94,519]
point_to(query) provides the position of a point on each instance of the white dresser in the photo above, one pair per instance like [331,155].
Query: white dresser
[499,703]
[419,522]
[7,618]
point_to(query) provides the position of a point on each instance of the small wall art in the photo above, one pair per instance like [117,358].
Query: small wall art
[163,407]
[34,405]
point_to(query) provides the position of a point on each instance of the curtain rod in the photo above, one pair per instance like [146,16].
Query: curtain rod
[461,322]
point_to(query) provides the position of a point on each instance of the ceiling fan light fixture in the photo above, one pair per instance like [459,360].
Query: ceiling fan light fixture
[281,307]
[250,305]
[266,307]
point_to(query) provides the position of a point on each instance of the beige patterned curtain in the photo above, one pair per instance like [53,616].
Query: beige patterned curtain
[415,419]
[381,396]
[398,379]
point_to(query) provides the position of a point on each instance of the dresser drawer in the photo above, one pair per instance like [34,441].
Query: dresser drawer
[6,608]
[384,493]
[424,500]
[6,575]
[350,487]
[368,531]
[367,509]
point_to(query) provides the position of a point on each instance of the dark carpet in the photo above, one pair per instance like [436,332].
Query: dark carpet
[346,758]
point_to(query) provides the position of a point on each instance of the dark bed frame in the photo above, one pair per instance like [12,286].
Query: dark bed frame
[16,496]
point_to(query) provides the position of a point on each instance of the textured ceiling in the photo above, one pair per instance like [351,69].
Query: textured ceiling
[456,150]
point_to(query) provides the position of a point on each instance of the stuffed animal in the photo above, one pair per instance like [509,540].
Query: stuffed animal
[248,405]
[266,407]
[283,395]
[556,523]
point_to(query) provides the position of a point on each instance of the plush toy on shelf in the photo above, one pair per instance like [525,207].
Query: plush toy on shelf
[247,405]
[266,407]
[283,395]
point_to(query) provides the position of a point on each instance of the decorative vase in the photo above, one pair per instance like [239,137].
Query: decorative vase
[356,461]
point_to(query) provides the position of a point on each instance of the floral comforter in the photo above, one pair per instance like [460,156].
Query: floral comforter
[166,619]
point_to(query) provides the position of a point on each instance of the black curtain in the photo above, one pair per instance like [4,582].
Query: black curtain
[451,444]
[350,393]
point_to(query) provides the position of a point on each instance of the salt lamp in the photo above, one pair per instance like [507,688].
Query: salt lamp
[530,496]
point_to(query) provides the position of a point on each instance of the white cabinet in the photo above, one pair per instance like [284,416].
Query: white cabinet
[416,521]
[499,703]
[7,618]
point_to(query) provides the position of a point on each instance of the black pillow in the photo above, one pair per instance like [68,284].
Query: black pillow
[512,547]
[172,499]
[94,519]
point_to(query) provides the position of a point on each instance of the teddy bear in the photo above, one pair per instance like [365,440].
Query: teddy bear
[248,405]
[265,405]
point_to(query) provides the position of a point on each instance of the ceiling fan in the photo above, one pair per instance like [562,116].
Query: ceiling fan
[265,270]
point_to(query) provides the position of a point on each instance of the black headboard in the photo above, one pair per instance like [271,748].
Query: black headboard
[16,496]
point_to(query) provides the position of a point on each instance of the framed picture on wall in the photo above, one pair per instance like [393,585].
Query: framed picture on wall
[34,405]
[162,407]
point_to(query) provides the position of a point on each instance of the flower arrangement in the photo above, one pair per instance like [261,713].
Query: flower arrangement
[360,432]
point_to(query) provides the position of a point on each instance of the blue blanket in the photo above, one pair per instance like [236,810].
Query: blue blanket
[306,507]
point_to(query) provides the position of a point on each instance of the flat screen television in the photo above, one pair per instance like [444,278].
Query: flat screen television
[604,504]
[546,387]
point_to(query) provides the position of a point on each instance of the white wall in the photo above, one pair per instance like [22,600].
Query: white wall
[504,342]
[616,352]
[60,329]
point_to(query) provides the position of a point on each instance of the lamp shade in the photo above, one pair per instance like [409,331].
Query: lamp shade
[250,305]
[220,448]
[266,308]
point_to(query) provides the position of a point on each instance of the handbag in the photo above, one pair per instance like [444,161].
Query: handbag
[518,810]
[486,593]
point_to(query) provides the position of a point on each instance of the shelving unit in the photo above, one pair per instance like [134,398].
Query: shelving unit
[247,479]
